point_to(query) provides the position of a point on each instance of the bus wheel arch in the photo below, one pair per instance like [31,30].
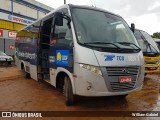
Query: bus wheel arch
[60,79]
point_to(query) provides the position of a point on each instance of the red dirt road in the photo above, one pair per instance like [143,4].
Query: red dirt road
[21,94]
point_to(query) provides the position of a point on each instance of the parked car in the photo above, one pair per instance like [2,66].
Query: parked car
[5,58]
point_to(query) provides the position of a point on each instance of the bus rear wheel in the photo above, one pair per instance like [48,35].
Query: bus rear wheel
[9,63]
[68,92]
[26,75]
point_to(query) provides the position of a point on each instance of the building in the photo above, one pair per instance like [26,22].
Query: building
[14,15]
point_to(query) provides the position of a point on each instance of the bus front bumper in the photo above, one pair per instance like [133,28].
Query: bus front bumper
[152,68]
[91,93]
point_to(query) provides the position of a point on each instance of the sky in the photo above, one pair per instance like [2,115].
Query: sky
[145,14]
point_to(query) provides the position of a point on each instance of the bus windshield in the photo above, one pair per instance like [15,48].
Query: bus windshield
[150,40]
[145,41]
[101,29]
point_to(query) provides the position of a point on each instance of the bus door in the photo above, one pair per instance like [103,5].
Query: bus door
[44,47]
[61,47]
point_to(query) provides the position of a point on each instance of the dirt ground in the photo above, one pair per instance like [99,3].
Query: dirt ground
[19,94]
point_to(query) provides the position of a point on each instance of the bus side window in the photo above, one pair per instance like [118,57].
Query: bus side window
[62,35]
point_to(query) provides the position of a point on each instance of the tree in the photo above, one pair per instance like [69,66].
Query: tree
[156,35]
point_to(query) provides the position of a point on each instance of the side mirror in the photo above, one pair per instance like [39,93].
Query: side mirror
[132,27]
[59,19]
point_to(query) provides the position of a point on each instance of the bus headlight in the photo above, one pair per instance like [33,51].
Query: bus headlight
[92,68]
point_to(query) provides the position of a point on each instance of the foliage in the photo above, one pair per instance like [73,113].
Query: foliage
[156,35]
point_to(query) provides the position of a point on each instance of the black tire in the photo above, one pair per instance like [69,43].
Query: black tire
[68,92]
[26,75]
[9,63]
[123,96]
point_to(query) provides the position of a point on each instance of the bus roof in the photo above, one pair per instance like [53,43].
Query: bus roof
[70,5]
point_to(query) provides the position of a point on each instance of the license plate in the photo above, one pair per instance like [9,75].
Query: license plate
[125,79]
[152,68]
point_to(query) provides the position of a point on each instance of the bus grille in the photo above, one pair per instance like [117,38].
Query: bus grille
[122,71]
[122,86]
[115,72]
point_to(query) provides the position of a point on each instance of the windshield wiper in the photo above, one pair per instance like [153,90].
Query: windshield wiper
[125,43]
[103,43]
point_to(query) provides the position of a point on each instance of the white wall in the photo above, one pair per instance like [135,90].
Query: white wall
[31,12]
[40,4]
[41,14]
[24,10]
[5,4]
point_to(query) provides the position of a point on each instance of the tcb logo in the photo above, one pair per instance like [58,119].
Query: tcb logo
[109,57]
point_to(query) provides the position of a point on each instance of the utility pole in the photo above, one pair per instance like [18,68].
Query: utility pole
[64,1]
[4,45]
[12,7]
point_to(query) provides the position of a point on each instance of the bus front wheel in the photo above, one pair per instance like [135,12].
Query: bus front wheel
[68,92]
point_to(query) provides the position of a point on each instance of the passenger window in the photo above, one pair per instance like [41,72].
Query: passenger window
[45,34]
[62,35]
